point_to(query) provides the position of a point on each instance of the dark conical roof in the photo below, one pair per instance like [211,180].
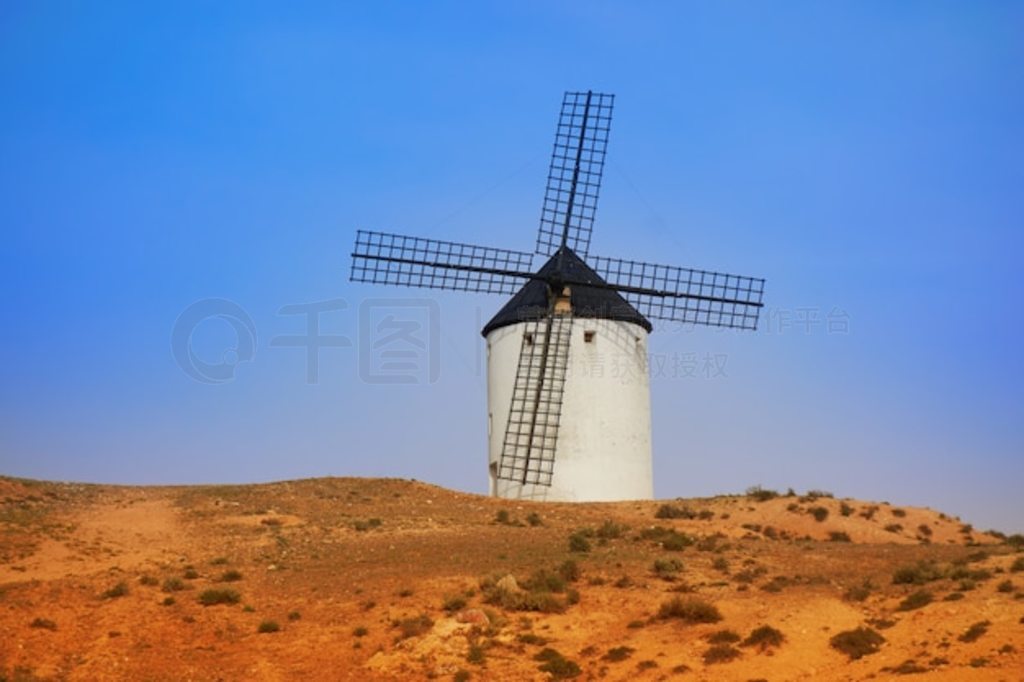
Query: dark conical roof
[531,302]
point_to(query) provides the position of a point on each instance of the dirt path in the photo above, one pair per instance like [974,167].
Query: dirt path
[128,534]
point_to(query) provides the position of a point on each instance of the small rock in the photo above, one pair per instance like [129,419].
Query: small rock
[508,584]
[473,617]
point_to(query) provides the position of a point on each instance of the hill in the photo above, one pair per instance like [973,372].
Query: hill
[370,579]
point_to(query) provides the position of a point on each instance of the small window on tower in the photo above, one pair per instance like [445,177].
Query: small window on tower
[588,336]
[528,338]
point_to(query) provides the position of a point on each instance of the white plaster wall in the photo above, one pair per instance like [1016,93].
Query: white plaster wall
[604,441]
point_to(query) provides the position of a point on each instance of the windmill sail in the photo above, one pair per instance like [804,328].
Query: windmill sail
[384,258]
[574,179]
[667,292]
[531,437]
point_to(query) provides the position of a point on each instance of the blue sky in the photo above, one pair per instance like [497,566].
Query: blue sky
[865,158]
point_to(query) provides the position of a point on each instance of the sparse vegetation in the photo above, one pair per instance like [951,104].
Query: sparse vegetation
[268,626]
[531,638]
[668,538]
[721,653]
[534,519]
[476,654]
[578,543]
[761,494]
[819,513]
[668,511]
[230,576]
[557,665]
[569,570]
[899,513]
[542,592]
[918,574]
[173,585]
[916,600]
[118,590]
[724,637]
[609,530]
[973,633]
[894,528]
[667,568]
[43,624]
[368,524]
[414,626]
[859,592]
[858,642]
[764,637]
[689,610]
[213,597]
[619,653]
[332,574]
[909,667]
[455,602]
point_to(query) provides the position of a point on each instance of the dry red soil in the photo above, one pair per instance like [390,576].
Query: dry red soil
[370,579]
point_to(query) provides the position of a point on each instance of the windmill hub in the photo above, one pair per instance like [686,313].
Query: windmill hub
[568,391]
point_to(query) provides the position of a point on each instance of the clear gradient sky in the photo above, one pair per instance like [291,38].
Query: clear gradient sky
[867,159]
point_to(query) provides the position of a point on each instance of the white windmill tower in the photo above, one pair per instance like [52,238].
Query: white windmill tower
[569,413]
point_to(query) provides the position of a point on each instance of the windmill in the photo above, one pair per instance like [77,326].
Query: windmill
[568,386]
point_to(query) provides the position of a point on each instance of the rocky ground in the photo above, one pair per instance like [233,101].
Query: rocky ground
[370,579]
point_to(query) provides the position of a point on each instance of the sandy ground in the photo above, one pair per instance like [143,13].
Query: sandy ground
[369,579]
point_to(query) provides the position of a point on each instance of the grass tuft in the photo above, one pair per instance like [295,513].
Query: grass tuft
[764,637]
[212,597]
[619,653]
[689,610]
[857,643]
[118,590]
[973,633]
[721,653]
[557,665]
[916,600]
[760,494]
